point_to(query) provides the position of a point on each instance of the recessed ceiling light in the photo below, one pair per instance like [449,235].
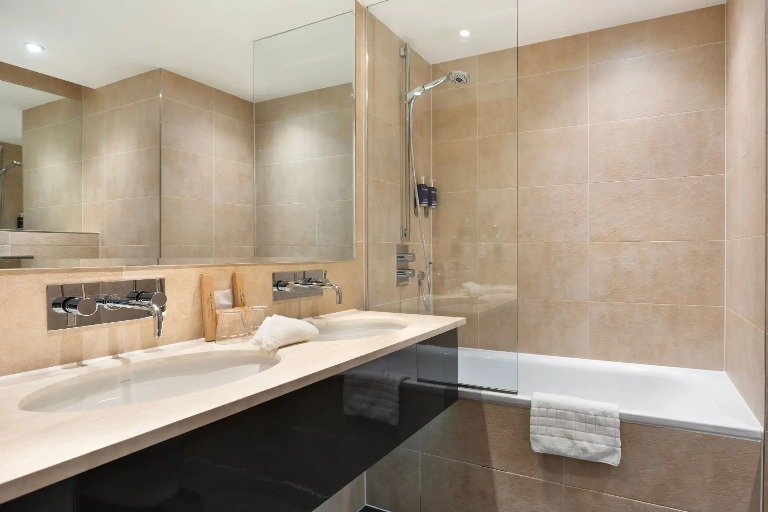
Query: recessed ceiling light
[464,33]
[33,47]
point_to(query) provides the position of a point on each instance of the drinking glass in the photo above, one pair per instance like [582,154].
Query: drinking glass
[230,327]
[256,316]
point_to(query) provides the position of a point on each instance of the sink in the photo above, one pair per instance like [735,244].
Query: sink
[337,330]
[146,381]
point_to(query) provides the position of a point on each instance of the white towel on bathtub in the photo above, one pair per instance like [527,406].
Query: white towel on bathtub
[576,428]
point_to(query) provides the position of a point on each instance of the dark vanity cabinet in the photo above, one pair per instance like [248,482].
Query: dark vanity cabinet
[288,454]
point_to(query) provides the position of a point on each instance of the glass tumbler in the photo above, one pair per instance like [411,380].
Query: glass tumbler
[230,327]
[256,316]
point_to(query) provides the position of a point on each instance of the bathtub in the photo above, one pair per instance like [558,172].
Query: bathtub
[697,400]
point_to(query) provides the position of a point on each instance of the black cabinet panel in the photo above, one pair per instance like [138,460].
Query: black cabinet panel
[289,454]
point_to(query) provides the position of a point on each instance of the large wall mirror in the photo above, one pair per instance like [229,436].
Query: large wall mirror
[185,163]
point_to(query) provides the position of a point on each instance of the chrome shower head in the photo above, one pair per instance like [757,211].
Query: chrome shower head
[10,166]
[457,77]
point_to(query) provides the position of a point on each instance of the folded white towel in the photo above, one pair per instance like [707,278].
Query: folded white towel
[371,395]
[576,428]
[278,331]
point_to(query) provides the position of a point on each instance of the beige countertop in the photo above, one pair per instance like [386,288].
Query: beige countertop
[40,448]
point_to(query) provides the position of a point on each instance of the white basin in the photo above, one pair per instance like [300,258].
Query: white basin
[146,381]
[337,330]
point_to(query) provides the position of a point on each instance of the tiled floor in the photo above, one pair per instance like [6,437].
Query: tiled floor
[369,508]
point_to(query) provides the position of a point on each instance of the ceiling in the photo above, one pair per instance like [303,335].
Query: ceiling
[494,23]
[98,42]
[13,100]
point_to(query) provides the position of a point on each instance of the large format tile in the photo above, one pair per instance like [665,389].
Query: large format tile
[579,500]
[496,66]
[745,360]
[497,108]
[456,221]
[393,482]
[185,174]
[657,272]
[187,128]
[454,114]
[676,468]
[685,30]
[554,55]
[553,214]
[668,209]
[492,435]
[350,499]
[454,165]
[659,334]
[554,328]
[746,120]
[497,215]
[496,162]
[746,195]
[667,83]
[688,144]
[745,278]
[553,271]
[553,100]
[558,156]
[452,485]
[185,90]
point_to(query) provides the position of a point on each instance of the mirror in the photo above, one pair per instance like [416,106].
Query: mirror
[185,165]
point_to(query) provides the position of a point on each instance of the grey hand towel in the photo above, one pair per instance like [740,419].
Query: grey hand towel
[375,396]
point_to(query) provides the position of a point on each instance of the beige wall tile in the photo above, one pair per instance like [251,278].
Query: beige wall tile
[456,220]
[496,66]
[187,128]
[452,485]
[745,360]
[691,79]
[382,288]
[497,322]
[553,214]
[232,225]
[232,139]
[233,182]
[119,232]
[130,90]
[454,114]
[497,108]
[56,185]
[421,70]
[579,500]
[187,221]
[286,141]
[335,223]
[497,263]
[271,180]
[383,41]
[689,144]
[185,90]
[553,157]
[393,482]
[553,100]
[554,327]
[384,144]
[657,272]
[745,124]
[384,221]
[135,126]
[497,215]
[676,468]
[186,174]
[745,278]
[335,178]
[685,30]
[553,271]
[746,196]
[54,218]
[667,209]
[335,134]
[554,55]
[332,99]
[288,107]
[496,162]
[422,114]
[233,107]
[130,175]
[385,97]
[492,435]
[659,334]
[290,225]
[455,165]
[48,114]
[745,33]
[56,144]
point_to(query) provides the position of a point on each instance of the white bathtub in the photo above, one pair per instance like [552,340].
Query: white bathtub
[698,400]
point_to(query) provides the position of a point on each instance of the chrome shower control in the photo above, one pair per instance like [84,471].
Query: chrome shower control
[80,306]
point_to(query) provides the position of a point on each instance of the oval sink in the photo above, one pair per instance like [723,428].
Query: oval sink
[337,330]
[146,381]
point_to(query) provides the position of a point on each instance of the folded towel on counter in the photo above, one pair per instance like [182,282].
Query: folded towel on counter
[576,428]
[278,331]
[371,395]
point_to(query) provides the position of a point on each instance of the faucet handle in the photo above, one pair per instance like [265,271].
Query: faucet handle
[159,299]
[80,306]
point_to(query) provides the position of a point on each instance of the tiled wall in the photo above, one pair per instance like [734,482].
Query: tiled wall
[13,186]
[619,214]
[207,173]
[53,168]
[474,161]
[121,168]
[304,175]
[745,200]
[386,161]
[477,456]
[46,246]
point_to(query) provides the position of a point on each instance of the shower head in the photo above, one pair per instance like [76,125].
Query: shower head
[457,77]
[10,166]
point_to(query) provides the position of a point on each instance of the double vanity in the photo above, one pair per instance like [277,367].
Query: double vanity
[201,426]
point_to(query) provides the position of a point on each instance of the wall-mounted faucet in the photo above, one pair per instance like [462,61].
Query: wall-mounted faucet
[102,303]
[308,283]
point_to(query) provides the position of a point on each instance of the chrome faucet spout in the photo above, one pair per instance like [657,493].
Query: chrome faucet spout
[315,283]
[151,303]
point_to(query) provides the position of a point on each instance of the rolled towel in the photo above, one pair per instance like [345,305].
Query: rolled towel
[278,331]
[576,428]
[374,396]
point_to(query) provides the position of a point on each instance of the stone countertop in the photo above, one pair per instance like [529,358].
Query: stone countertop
[40,448]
